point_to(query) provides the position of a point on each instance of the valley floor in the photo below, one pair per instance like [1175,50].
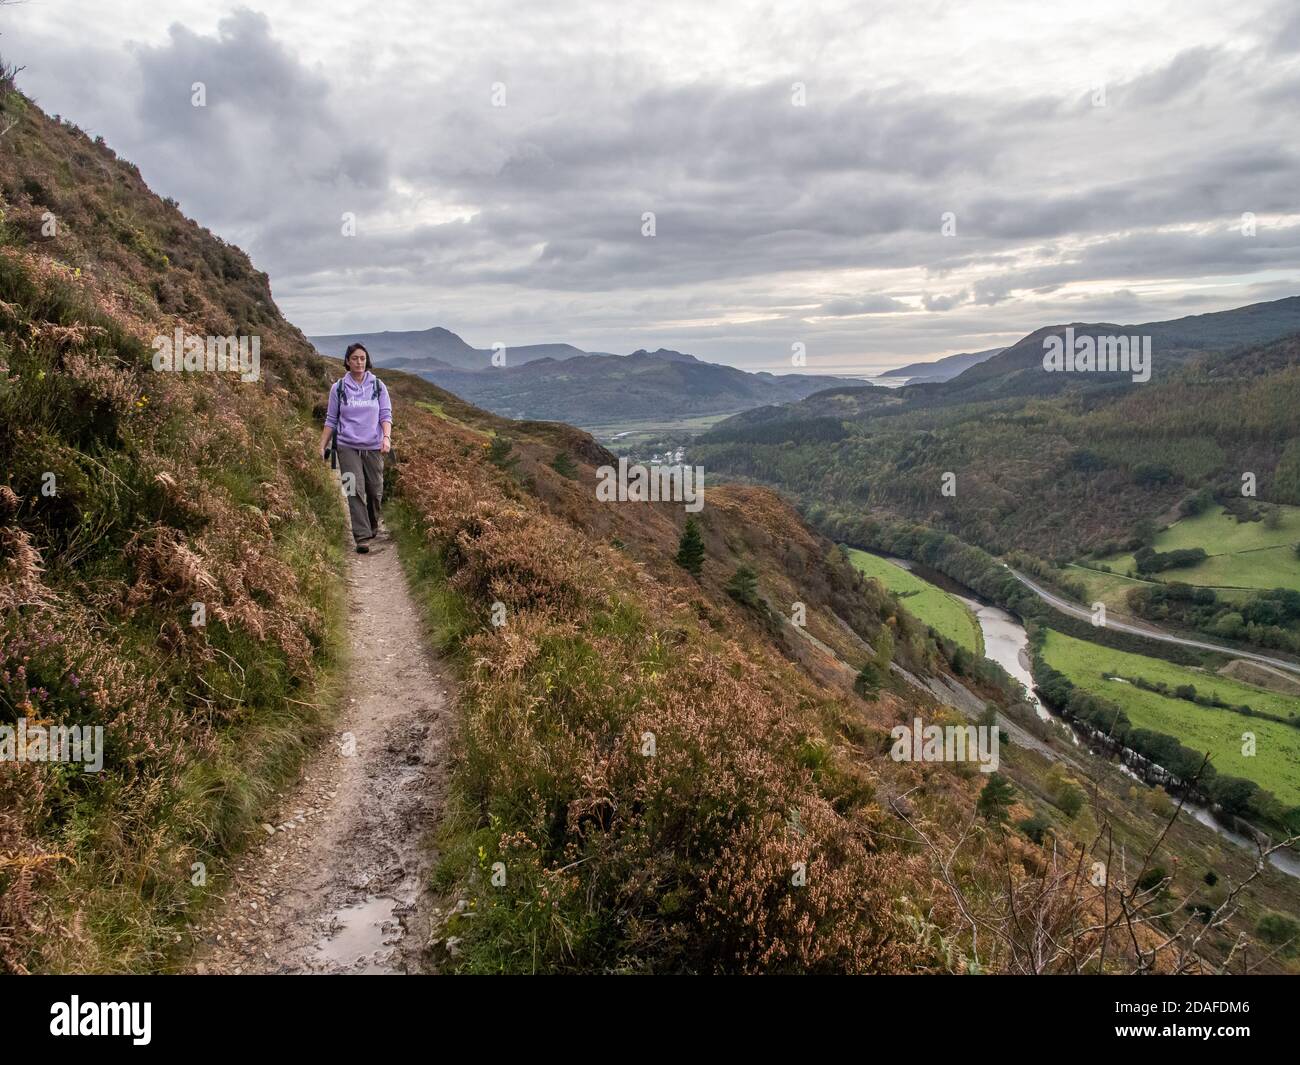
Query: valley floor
[1154,632]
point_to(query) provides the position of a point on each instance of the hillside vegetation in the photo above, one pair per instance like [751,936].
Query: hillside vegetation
[1061,477]
[649,758]
[129,496]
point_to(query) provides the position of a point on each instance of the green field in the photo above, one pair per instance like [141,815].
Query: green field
[940,610]
[1276,763]
[1242,554]
[1112,588]
[1108,588]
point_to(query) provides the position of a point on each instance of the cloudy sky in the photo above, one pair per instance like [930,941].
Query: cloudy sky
[498,158]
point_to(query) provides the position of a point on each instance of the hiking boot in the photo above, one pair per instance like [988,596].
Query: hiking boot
[362,549]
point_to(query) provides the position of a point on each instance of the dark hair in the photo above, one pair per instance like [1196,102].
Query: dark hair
[355,347]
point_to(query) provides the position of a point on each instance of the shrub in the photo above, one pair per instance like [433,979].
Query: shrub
[869,678]
[690,550]
[996,799]
[499,453]
[1035,827]
[1152,878]
[1065,792]
[743,586]
[564,466]
[1279,930]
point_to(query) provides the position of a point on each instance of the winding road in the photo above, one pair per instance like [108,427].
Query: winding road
[1149,631]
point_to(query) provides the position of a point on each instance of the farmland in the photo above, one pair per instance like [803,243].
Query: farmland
[1276,763]
[1249,554]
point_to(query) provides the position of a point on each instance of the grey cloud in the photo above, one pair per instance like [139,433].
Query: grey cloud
[766,213]
[1286,38]
[1185,72]
[863,305]
[944,303]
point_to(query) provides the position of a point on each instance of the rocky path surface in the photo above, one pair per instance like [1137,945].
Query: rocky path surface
[340,883]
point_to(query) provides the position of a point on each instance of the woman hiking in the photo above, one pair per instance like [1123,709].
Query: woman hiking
[358,428]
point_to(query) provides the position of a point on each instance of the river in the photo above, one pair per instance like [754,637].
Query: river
[1007,643]
[1005,639]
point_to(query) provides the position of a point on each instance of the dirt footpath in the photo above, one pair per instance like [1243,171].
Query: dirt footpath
[340,883]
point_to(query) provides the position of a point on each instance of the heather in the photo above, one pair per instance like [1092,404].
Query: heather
[651,773]
[129,497]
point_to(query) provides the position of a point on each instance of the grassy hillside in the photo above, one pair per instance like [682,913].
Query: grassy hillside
[762,756]
[940,610]
[1101,587]
[128,496]
[1241,554]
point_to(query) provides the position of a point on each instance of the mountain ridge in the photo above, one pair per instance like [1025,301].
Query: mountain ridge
[1175,342]
[439,344]
[942,369]
[596,389]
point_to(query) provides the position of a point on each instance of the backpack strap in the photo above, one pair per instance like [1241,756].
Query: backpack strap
[374,394]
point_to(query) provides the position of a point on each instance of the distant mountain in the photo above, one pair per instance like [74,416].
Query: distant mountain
[437,347]
[942,369]
[1058,475]
[598,389]
[1018,370]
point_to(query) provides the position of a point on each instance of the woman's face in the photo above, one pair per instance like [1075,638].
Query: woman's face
[357,361]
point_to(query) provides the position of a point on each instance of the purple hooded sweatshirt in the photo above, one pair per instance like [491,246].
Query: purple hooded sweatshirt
[358,420]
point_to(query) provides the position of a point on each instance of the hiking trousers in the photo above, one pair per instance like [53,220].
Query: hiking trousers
[362,473]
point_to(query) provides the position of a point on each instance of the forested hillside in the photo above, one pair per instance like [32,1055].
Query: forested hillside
[1059,476]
